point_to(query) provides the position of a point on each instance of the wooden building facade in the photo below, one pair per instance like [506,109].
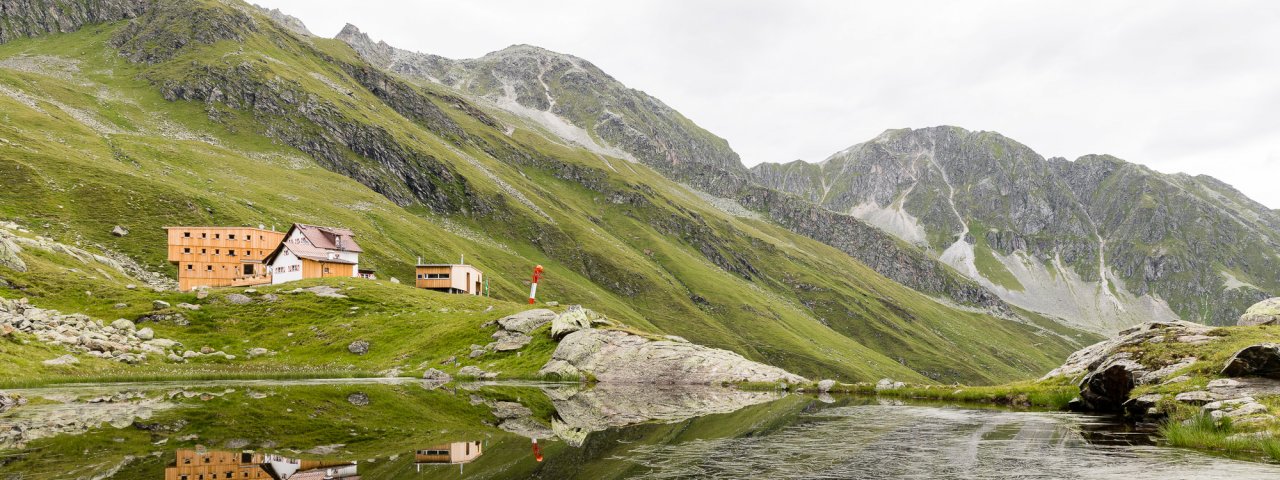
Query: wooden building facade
[221,256]
[450,278]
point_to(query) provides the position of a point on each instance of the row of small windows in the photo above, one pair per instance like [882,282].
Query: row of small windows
[433,452]
[292,268]
[433,276]
[213,476]
[218,251]
[218,236]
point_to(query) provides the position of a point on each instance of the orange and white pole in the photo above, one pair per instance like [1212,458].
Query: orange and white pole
[533,290]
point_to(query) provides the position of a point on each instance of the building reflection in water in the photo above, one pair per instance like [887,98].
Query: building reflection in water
[456,453]
[201,464]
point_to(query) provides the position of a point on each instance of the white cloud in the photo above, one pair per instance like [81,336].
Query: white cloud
[1176,85]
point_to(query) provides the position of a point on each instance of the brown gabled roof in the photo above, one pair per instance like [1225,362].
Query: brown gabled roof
[329,238]
[303,251]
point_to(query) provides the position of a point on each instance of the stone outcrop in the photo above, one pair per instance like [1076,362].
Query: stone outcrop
[612,356]
[119,340]
[575,318]
[1087,360]
[526,321]
[1261,360]
[1266,312]
[30,18]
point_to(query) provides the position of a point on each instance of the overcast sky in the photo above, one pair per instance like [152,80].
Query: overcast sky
[1180,86]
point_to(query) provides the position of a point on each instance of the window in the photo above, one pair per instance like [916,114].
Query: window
[189,266]
[248,269]
[186,461]
[217,251]
[229,475]
[231,252]
[294,268]
[231,236]
[441,276]
[184,477]
[203,251]
[186,234]
[217,235]
[208,268]
[326,269]
[186,250]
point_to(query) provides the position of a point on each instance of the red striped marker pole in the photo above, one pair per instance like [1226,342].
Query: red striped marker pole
[533,291]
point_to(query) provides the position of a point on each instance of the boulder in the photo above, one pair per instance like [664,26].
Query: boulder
[238,299]
[475,372]
[258,352]
[160,305]
[475,353]
[1194,397]
[119,231]
[123,325]
[573,319]
[145,334]
[395,280]
[9,257]
[619,357]
[359,399]
[63,360]
[1262,360]
[1142,404]
[1106,388]
[826,385]
[1266,312]
[888,384]
[505,341]
[358,347]
[436,376]
[188,306]
[526,321]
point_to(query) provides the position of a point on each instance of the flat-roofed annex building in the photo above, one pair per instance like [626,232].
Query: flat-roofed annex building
[450,278]
[311,251]
[220,256]
[456,453]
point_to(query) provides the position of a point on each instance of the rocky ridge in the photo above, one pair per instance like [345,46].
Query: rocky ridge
[1099,242]
[30,18]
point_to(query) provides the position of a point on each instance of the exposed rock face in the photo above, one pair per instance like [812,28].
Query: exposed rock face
[576,100]
[34,422]
[1039,232]
[1255,361]
[30,18]
[1266,312]
[618,357]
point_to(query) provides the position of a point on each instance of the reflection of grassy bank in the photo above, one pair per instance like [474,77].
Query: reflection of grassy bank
[1053,395]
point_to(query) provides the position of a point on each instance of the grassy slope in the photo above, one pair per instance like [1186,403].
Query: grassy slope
[73,183]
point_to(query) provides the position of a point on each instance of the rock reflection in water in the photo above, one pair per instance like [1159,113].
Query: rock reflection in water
[877,441]
[580,411]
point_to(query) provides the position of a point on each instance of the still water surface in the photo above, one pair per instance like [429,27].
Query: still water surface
[388,429]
